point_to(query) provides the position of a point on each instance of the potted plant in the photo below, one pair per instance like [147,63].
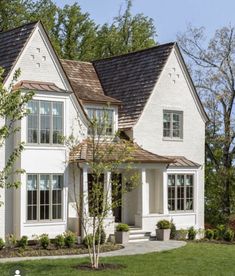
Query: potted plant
[163,231]
[122,233]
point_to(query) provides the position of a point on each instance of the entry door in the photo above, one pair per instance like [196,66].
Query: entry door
[117,196]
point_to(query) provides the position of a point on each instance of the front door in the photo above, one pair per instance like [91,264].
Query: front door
[117,196]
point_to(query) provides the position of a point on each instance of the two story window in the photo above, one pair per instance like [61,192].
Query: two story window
[44,197]
[173,124]
[45,122]
[180,192]
[103,120]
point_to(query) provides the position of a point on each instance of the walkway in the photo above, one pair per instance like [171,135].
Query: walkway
[130,249]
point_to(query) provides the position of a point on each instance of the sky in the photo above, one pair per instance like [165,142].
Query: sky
[170,16]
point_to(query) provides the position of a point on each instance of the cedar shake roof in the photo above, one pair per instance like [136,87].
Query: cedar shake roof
[131,78]
[38,85]
[12,43]
[85,82]
[84,152]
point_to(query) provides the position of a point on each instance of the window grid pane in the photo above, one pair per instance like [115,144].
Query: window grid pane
[180,192]
[173,124]
[32,197]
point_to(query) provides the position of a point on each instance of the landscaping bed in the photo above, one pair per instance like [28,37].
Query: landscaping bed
[52,250]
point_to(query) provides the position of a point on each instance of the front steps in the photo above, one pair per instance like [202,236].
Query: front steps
[138,235]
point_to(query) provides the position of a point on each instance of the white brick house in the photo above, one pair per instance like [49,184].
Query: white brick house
[152,100]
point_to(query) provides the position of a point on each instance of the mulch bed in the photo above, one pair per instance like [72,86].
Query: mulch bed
[102,266]
[212,241]
[36,250]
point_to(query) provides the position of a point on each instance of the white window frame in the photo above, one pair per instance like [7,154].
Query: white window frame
[38,220]
[193,174]
[103,109]
[51,125]
[181,122]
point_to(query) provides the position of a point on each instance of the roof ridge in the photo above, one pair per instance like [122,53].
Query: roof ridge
[137,51]
[23,25]
[76,61]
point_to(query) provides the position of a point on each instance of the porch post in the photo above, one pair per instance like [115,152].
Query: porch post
[108,192]
[144,196]
[85,191]
[165,192]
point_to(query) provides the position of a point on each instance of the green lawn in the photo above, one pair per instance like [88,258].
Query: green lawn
[193,259]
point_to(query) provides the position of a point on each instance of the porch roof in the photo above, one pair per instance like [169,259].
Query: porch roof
[84,152]
[181,161]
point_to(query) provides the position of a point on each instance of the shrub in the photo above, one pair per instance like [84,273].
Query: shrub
[11,241]
[69,239]
[209,234]
[216,234]
[88,240]
[192,233]
[2,243]
[173,231]
[23,242]
[163,224]
[102,235]
[221,230]
[44,241]
[122,227]
[59,241]
[228,235]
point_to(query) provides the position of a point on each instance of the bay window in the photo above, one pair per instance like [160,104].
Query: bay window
[44,197]
[180,192]
[45,122]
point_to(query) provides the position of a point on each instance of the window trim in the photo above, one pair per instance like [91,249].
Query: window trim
[50,220]
[181,129]
[38,143]
[185,211]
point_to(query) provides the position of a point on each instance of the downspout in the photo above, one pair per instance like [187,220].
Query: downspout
[81,201]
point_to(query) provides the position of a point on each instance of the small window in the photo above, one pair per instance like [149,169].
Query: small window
[103,120]
[173,124]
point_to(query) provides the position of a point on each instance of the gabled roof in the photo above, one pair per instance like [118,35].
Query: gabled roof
[85,82]
[131,78]
[84,153]
[38,85]
[181,161]
[12,43]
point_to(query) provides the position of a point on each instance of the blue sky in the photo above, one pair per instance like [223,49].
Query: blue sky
[170,16]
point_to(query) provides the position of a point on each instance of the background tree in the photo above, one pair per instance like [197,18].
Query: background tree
[213,69]
[127,33]
[109,154]
[12,109]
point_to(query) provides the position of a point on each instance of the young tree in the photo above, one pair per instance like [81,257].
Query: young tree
[12,109]
[107,154]
[213,70]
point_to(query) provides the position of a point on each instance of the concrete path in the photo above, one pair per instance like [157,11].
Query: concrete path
[130,249]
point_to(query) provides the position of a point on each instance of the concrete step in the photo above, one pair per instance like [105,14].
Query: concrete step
[137,234]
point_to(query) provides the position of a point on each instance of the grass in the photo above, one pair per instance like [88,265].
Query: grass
[193,259]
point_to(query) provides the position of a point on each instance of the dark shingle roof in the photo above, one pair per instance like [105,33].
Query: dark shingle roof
[131,78]
[85,82]
[12,43]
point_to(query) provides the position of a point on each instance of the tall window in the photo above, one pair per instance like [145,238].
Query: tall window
[45,122]
[44,197]
[173,124]
[103,119]
[180,192]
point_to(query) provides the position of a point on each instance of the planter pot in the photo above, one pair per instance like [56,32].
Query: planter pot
[181,235]
[79,239]
[121,237]
[163,234]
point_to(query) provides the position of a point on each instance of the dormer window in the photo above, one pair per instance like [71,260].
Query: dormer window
[103,121]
